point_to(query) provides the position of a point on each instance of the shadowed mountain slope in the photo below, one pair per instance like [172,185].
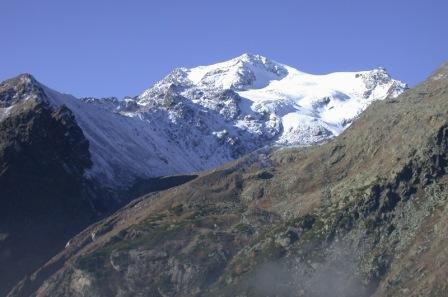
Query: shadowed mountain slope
[43,155]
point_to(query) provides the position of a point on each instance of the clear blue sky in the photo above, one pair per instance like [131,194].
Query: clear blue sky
[118,47]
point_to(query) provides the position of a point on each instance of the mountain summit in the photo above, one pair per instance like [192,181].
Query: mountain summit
[250,101]
[244,72]
[298,108]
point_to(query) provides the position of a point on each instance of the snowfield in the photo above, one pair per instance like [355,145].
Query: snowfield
[199,118]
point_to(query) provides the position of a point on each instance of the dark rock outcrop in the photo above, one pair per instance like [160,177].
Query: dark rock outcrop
[43,156]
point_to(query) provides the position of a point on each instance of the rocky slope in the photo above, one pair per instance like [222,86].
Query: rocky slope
[363,215]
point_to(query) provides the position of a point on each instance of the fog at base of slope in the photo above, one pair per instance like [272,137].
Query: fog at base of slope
[337,276]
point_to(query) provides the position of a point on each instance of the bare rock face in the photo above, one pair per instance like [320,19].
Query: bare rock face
[363,215]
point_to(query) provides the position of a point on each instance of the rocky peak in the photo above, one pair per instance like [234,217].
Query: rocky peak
[441,73]
[378,75]
[19,88]
[240,73]
[250,60]
[379,78]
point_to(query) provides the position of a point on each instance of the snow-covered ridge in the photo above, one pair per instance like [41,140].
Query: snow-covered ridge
[296,108]
[246,71]
[199,118]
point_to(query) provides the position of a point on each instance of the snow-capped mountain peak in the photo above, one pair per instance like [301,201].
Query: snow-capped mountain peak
[240,73]
[199,118]
[299,108]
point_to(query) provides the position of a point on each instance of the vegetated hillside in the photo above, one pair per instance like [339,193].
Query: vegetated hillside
[363,215]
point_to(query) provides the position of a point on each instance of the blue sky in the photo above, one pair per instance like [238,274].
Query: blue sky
[118,48]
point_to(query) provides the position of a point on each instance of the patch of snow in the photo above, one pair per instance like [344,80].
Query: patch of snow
[4,112]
